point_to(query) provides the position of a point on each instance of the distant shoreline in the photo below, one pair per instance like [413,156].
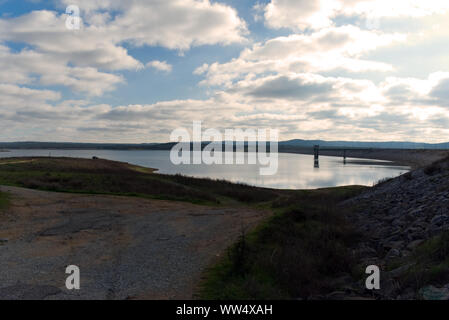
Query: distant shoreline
[413,158]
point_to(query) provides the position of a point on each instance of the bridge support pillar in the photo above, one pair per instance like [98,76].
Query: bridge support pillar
[316,151]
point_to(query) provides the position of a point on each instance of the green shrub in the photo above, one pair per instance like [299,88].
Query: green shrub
[4,200]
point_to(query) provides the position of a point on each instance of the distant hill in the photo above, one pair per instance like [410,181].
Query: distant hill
[358,144]
[76,145]
[284,145]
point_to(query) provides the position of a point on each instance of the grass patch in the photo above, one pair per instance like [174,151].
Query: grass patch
[4,200]
[111,177]
[296,254]
[382,181]
[430,264]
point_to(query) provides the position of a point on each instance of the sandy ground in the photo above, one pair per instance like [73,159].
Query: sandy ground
[126,248]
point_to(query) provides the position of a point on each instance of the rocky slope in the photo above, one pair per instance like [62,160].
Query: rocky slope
[397,218]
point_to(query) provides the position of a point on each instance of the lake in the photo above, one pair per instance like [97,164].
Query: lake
[295,171]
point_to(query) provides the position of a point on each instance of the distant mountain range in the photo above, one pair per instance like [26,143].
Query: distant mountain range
[75,145]
[359,144]
[284,145]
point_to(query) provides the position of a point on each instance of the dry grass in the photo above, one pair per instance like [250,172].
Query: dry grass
[111,177]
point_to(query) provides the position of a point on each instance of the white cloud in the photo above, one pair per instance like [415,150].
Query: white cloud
[85,60]
[309,89]
[31,67]
[46,32]
[325,50]
[160,65]
[16,95]
[283,83]
[174,24]
[300,105]
[316,14]
[418,92]
[300,14]
[397,8]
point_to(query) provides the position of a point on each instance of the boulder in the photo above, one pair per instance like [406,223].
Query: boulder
[393,254]
[440,220]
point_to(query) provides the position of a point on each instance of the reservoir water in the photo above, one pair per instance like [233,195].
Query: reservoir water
[295,171]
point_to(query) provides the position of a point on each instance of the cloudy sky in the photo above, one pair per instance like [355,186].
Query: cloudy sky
[367,70]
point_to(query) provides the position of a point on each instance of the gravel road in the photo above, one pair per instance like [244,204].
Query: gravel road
[126,248]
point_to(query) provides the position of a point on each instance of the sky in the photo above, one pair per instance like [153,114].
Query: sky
[135,70]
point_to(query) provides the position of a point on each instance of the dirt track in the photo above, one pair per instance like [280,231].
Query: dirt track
[126,248]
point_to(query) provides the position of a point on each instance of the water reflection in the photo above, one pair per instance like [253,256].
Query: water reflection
[295,171]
